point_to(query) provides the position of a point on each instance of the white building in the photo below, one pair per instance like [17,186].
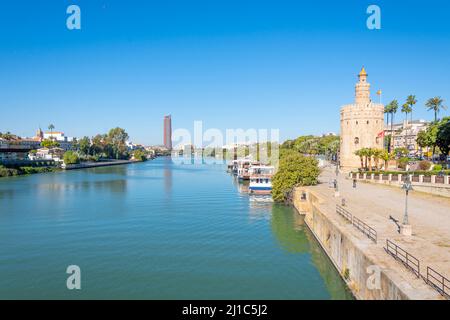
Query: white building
[65,143]
[405,135]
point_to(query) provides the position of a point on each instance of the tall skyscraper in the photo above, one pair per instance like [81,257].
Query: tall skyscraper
[168,132]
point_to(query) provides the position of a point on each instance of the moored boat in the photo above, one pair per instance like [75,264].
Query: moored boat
[261,179]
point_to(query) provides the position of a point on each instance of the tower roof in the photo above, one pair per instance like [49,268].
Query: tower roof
[363,72]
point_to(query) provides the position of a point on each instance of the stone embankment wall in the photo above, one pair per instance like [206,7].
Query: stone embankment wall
[349,254]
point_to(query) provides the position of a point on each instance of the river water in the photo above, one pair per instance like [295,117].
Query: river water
[155,230]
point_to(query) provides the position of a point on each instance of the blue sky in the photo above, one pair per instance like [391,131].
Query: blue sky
[232,64]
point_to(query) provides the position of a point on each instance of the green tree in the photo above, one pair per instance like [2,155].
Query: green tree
[443,136]
[377,153]
[386,156]
[71,157]
[294,169]
[365,153]
[411,101]
[406,109]
[117,137]
[370,153]
[51,127]
[140,155]
[393,106]
[48,143]
[387,111]
[98,144]
[360,154]
[427,138]
[435,104]
[84,145]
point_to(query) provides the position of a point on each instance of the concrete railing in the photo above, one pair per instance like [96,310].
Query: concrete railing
[433,184]
[400,178]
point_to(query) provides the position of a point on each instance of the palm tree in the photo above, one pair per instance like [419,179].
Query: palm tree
[393,107]
[411,101]
[387,111]
[360,154]
[435,104]
[406,109]
[50,128]
[365,153]
[377,153]
[386,156]
[370,153]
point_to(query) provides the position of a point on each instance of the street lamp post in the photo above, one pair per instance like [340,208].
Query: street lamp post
[406,227]
[336,187]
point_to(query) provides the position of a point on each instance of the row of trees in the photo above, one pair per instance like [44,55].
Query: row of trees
[435,104]
[312,145]
[110,145]
[367,154]
[9,136]
[437,135]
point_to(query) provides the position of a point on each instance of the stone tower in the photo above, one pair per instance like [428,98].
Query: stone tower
[362,125]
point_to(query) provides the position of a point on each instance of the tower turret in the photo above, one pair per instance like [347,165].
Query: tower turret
[362,89]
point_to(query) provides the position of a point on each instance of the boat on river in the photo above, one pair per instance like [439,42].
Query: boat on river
[261,179]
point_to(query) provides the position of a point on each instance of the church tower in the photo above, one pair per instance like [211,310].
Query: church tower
[362,125]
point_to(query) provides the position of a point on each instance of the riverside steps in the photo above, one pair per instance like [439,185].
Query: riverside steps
[364,244]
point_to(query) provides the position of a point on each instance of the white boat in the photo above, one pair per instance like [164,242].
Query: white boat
[261,179]
[244,167]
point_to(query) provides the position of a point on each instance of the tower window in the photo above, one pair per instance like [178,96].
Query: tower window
[356,122]
[367,121]
[356,140]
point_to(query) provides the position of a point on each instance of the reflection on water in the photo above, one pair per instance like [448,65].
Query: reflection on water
[294,236]
[167,175]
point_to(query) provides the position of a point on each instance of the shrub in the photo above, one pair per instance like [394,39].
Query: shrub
[139,155]
[71,157]
[424,165]
[437,167]
[294,169]
[8,172]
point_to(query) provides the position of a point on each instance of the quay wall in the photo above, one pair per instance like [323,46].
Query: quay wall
[97,164]
[348,254]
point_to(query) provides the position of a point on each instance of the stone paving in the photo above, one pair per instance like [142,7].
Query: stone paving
[429,216]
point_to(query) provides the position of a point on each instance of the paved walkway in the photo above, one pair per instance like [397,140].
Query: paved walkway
[429,216]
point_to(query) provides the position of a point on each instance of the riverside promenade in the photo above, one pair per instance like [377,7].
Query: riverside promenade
[373,204]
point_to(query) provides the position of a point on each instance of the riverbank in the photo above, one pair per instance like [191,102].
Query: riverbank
[362,260]
[85,165]
[20,171]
